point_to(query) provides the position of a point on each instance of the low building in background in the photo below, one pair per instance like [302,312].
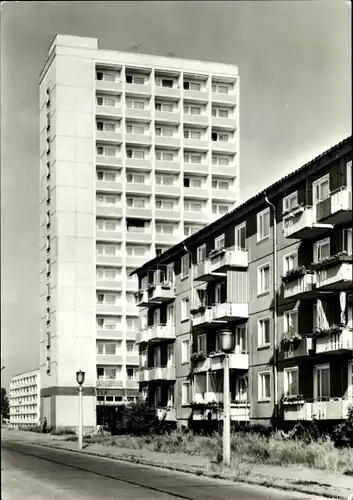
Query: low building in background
[24,399]
[291,315]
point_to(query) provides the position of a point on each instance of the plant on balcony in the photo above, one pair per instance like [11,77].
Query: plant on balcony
[292,338]
[340,256]
[198,356]
[150,286]
[292,210]
[295,398]
[239,402]
[200,308]
[322,332]
[294,273]
[214,404]
[216,251]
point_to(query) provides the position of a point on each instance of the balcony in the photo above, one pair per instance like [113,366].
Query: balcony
[224,259]
[167,141]
[162,292]
[334,342]
[109,359]
[230,98]
[109,333]
[145,213]
[168,413]
[197,217]
[108,137]
[108,161]
[196,144]
[168,190]
[334,273]
[160,332]
[197,95]
[224,147]
[202,316]
[168,215]
[333,409]
[137,236]
[138,113]
[302,286]
[225,123]
[202,271]
[134,88]
[230,311]
[144,375]
[300,223]
[109,211]
[108,111]
[168,166]
[237,361]
[143,336]
[168,116]
[201,365]
[108,86]
[224,195]
[142,139]
[141,297]
[196,168]
[115,309]
[138,188]
[108,383]
[161,91]
[195,119]
[296,410]
[162,373]
[137,260]
[111,236]
[104,284]
[108,187]
[336,208]
[132,359]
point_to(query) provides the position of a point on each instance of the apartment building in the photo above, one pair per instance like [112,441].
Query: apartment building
[24,399]
[277,271]
[136,152]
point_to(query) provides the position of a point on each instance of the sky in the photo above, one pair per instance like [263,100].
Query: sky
[294,61]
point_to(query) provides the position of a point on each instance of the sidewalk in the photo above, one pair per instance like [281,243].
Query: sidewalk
[312,481]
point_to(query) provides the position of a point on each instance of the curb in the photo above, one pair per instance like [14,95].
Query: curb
[266,483]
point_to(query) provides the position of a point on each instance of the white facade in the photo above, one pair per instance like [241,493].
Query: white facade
[24,399]
[136,152]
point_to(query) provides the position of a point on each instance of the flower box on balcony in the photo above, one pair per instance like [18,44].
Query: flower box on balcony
[196,310]
[293,211]
[293,274]
[338,257]
[215,252]
[331,330]
[293,400]
[291,339]
[198,356]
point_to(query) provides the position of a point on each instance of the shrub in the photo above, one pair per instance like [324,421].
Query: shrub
[63,431]
[140,419]
[343,433]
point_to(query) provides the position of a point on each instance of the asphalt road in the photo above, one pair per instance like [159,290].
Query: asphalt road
[37,473]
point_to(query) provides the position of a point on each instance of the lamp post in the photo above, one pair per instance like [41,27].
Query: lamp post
[226,338]
[80,377]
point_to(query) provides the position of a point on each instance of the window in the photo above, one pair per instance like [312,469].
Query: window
[107,76]
[135,129]
[218,208]
[135,178]
[220,136]
[291,322]
[186,393]
[185,309]
[264,381]
[220,242]
[136,80]
[291,381]
[107,199]
[130,346]
[185,351]
[165,107]
[138,251]
[165,82]
[192,134]
[263,224]
[136,202]
[241,344]
[106,373]
[347,240]
[220,88]
[107,101]
[240,237]
[138,154]
[189,230]
[192,158]
[105,175]
[190,206]
[165,204]
[219,184]
[193,182]
[164,131]
[221,160]
[192,110]
[108,323]
[188,85]
[132,323]
[108,298]
[202,343]
[106,126]
[185,266]
[165,180]
[135,104]
[165,228]
[201,253]
[322,381]
[290,201]
[220,112]
[264,337]
[108,273]
[108,348]
[290,262]
[263,279]
[321,249]
[349,175]
[164,155]
[108,250]
[321,188]
[106,151]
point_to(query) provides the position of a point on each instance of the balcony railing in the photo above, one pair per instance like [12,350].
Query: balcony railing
[228,258]
[342,340]
[202,316]
[228,311]
[337,207]
[300,223]
[143,336]
[334,273]
[141,297]
[162,373]
[202,270]
[237,361]
[333,409]
[144,374]
[162,292]
[299,286]
[161,332]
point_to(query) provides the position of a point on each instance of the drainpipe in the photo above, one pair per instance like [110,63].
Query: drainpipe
[191,306]
[275,309]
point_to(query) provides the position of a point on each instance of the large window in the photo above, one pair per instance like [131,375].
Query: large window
[164,131]
[165,107]
[108,323]
[165,228]
[221,160]
[137,251]
[106,151]
[107,224]
[185,266]
[165,180]
[108,250]
[193,182]
[135,79]
[133,128]
[107,348]
[220,242]
[192,134]
[137,202]
[220,208]
[263,279]
[165,155]
[105,373]
[221,184]
[322,381]
[108,298]
[321,249]
[263,224]
[291,381]
[135,104]
[138,154]
[165,204]
[190,206]
[107,199]
[192,110]
[264,386]
[107,101]
[192,158]
[106,176]
[185,351]
[220,88]
[108,273]
[264,336]
[189,85]
[189,230]
[106,126]
[291,322]
[106,76]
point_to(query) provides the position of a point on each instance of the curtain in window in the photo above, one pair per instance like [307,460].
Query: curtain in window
[322,322]
[343,302]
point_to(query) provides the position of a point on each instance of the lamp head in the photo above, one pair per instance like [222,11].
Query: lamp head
[226,338]
[80,377]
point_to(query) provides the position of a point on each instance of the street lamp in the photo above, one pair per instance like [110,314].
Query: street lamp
[80,377]
[226,338]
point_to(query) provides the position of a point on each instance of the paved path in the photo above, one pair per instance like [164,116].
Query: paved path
[32,472]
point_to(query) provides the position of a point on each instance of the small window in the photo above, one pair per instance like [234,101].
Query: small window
[164,155]
[321,188]
[347,241]
[202,343]
[264,381]
[291,322]
[185,351]
[136,80]
[185,266]
[186,393]
[290,262]
[264,336]
[321,249]
[322,382]
[220,242]
[263,224]
[185,309]
[240,236]
[218,208]
[201,253]
[263,279]
[290,202]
